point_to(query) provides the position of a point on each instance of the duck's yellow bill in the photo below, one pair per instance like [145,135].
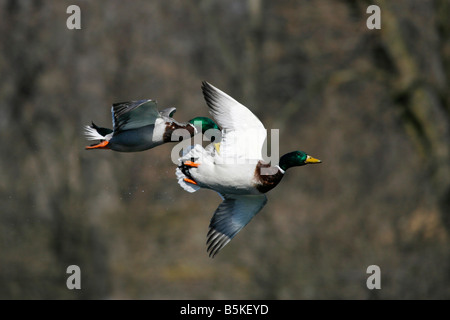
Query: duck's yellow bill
[310,159]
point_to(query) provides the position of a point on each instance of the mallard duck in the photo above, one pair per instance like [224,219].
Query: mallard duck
[238,172]
[138,126]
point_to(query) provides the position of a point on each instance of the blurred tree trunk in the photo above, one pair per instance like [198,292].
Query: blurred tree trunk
[43,173]
[420,88]
[253,56]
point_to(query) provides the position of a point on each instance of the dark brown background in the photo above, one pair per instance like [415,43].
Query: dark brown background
[374,105]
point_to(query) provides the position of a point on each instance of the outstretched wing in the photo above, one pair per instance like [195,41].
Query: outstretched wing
[230,217]
[243,133]
[134,114]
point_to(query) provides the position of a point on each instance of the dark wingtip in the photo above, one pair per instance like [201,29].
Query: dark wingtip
[119,108]
[93,125]
[209,94]
[216,241]
[206,86]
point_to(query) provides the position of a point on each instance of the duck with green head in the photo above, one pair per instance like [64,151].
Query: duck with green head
[238,172]
[138,126]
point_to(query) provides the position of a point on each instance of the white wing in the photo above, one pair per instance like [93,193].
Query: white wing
[234,213]
[243,134]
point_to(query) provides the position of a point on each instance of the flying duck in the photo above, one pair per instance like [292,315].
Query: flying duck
[238,172]
[138,126]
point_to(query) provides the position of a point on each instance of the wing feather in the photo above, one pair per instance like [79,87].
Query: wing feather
[233,214]
[243,134]
[134,114]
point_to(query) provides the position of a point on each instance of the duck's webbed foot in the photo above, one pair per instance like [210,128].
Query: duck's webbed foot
[189,180]
[191,164]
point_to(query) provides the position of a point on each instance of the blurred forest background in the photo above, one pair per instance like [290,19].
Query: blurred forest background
[374,105]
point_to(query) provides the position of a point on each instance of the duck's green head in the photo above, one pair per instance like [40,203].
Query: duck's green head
[295,159]
[205,123]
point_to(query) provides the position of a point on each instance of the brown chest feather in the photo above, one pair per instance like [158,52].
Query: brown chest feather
[268,177]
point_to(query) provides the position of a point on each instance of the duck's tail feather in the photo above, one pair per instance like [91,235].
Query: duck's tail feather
[94,132]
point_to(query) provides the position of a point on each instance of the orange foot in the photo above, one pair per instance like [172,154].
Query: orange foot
[190,180]
[191,164]
[101,145]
